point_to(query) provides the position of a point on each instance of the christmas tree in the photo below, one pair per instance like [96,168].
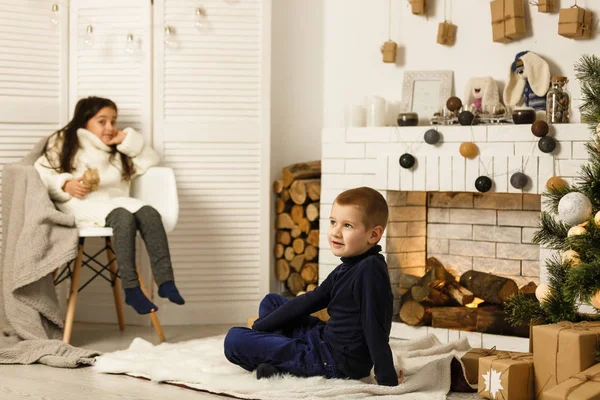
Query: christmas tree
[571,227]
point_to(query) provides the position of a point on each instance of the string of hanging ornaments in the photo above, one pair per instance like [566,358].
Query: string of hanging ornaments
[469,150]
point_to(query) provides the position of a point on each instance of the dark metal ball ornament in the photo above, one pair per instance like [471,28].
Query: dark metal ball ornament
[519,180]
[407,161]
[547,144]
[432,136]
[540,128]
[483,184]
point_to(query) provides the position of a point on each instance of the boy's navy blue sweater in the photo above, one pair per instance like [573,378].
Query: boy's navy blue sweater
[358,296]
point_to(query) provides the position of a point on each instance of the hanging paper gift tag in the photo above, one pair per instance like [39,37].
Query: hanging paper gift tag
[446,33]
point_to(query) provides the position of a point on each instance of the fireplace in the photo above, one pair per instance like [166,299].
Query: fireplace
[448,217]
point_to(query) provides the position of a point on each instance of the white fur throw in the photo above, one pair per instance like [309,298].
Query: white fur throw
[201,364]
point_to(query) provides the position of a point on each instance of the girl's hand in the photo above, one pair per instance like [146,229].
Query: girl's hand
[76,188]
[118,138]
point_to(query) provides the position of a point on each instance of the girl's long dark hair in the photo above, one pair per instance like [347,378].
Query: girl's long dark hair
[85,110]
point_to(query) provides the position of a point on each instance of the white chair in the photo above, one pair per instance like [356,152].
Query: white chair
[157,188]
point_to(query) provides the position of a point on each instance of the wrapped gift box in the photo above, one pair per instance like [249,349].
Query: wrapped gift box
[507,376]
[545,6]
[508,20]
[446,33]
[575,22]
[471,362]
[582,386]
[563,350]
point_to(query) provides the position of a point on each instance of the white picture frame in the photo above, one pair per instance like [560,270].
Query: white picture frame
[426,92]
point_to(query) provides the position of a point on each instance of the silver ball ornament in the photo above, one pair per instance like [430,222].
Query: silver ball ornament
[574,208]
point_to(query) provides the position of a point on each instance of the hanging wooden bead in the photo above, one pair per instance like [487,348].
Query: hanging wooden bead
[468,150]
[556,182]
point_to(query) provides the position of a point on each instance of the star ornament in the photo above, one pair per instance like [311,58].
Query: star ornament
[492,382]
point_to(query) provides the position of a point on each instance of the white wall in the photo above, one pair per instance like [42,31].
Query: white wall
[355,29]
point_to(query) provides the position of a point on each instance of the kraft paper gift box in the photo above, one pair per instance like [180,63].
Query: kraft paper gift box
[418,7]
[582,386]
[471,362]
[507,376]
[446,33]
[508,20]
[575,22]
[546,6]
[563,350]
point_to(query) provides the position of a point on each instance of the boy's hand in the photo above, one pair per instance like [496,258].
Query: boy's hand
[118,138]
[76,188]
[400,377]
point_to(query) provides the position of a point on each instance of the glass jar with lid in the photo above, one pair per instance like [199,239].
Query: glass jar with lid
[558,101]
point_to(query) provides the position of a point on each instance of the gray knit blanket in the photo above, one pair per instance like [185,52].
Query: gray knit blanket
[36,240]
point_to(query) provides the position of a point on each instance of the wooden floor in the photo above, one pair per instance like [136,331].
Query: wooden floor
[39,382]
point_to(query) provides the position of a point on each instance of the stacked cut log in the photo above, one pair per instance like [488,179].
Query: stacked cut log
[297,206]
[473,303]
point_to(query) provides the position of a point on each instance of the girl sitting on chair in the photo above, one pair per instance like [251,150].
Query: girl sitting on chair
[91,140]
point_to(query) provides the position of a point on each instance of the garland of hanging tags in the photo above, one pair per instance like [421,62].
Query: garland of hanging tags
[446,30]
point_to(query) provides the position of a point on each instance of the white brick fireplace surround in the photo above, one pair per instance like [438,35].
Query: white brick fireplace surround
[489,232]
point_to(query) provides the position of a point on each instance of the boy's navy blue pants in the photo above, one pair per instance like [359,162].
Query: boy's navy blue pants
[299,349]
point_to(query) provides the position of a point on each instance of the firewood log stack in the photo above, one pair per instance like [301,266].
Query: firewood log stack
[474,303]
[297,207]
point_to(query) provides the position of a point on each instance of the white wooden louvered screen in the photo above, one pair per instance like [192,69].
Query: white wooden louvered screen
[106,69]
[32,75]
[211,124]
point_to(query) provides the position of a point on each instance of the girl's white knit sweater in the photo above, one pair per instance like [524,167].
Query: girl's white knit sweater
[113,191]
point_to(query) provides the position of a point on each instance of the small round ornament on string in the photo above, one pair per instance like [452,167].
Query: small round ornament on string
[483,184]
[519,180]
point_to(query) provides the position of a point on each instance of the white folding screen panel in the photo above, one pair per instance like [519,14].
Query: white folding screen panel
[211,124]
[104,63]
[33,65]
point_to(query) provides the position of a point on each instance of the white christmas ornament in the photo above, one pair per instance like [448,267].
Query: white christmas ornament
[493,384]
[574,208]
[595,301]
[542,291]
[576,230]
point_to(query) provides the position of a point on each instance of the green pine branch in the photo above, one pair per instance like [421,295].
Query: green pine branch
[559,304]
[587,71]
[552,233]
[521,309]
[584,281]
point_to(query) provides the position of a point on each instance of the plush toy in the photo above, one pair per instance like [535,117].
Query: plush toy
[91,178]
[482,93]
[528,82]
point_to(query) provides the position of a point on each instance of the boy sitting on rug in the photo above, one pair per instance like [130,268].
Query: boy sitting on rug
[358,297]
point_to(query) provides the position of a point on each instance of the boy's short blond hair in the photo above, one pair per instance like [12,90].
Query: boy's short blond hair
[370,202]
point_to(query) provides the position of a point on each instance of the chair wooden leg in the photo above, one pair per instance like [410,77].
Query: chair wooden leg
[72,302]
[117,286]
[153,316]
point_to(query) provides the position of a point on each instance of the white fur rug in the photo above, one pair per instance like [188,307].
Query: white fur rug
[200,364]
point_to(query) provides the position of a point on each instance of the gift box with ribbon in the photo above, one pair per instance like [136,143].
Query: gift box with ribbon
[507,376]
[471,362]
[563,350]
[508,20]
[575,22]
[446,33]
[582,386]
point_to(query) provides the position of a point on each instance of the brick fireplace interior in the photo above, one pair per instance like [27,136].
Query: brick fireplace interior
[488,232]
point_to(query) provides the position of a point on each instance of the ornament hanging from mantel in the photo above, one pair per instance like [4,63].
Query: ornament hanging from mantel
[418,7]
[508,20]
[546,6]
[575,22]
